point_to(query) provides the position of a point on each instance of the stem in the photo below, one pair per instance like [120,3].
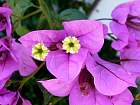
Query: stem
[45,9]
[11,82]
[25,17]
[36,6]
[31,14]
[29,77]
[104,19]
[56,101]
[107,19]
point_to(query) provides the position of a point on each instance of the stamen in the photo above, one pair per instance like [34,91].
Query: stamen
[40,51]
[85,82]
[85,88]
[71,45]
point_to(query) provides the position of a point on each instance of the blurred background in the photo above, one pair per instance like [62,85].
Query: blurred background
[103,8]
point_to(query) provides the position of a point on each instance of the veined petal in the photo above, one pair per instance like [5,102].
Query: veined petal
[125,98]
[7,97]
[5,11]
[121,12]
[8,27]
[57,87]
[93,41]
[132,62]
[93,98]
[134,8]
[3,82]
[82,27]
[7,67]
[48,37]
[105,74]
[24,61]
[122,34]
[66,66]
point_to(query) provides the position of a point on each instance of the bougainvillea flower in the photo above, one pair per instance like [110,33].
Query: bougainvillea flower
[5,22]
[106,73]
[13,59]
[126,23]
[130,60]
[12,98]
[66,50]
[83,92]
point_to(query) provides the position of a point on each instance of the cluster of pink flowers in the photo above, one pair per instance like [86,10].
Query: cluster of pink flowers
[13,57]
[71,55]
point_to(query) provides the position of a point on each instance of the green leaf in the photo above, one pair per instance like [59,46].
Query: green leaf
[19,6]
[1,1]
[46,95]
[72,14]
[21,30]
[49,14]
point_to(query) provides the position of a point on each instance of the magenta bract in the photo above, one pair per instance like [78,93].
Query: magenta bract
[5,22]
[12,98]
[13,59]
[126,24]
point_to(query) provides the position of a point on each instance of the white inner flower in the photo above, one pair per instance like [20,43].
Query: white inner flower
[40,51]
[71,45]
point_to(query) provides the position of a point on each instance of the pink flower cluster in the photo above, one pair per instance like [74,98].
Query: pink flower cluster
[71,55]
[13,57]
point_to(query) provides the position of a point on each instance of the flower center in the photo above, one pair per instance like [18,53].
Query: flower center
[85,88]
[71,45]
[85,82]
[39,51]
